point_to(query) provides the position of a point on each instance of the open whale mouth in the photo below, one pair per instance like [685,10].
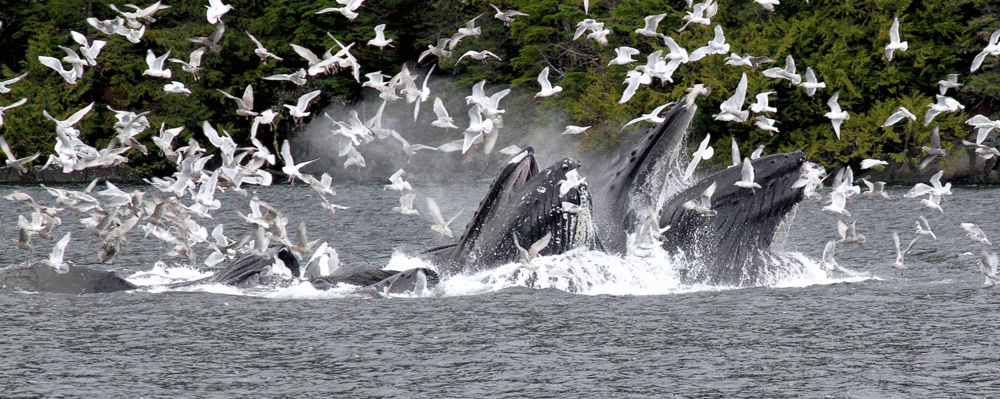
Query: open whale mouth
[732,244]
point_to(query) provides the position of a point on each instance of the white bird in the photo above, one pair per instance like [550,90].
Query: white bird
[836,115]
[90,51]
[837,203]
[633,79]
[380,41]
[298,111]
[438,50]
[992,48]
[478,127]
[900,114]
[55,259]
[704,152]
[13,161]
[762,105]
[406,205]
[16,104]
[943,104]
[950,82]
[212,40]
[156,65]
[440,225]
[291,168]
[443,120]
[747,60]
[652,24]
[757,152]
[299,77]
[829,264]
[898,264]
[507,17]
[700,13]
[732,108]
[704,205]
[479,55]
[932,201]
[788,72]
[349,9]
[194,65]
[397,182]
[547,89]
[984,125]
[527,255]
[894,43]
[3,84]
[216,10]
[734,150]
[717,45]
[924,228]
[470,29]
[934,150]
[262,51]
[811,84]
[875,190]
[747,176]
[871,163]
[574,130]
[849,234]
[652,117]
[975,233]
[623,56]
[244,105]
[766,124]
[69,75]
[935,187]
[176,87]
[768,4]
[988,266]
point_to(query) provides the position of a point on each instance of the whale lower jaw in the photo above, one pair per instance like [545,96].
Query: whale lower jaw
[733,247]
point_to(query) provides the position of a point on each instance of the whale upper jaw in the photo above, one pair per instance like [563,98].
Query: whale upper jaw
[733,245]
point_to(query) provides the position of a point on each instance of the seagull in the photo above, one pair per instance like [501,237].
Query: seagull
[623,56]
[943,104]
[470,29]
[440,225]
[194,65]
[479,55]
[747,60]
[788,72]
[768,4]
[811,84]
[762,105]
[398,184]
[16,104]
[984,125]
[900,114]
[704,205]
[547,89]
[478,127]
[380,41]
[735,151]
[652,117]
[436,50]
[291,168]
[836,115]
[766,124]
[406,205]
[212,40]
[261,51]
[652,23]
[875,190]
[849,234]
[443,120]
[55,259]
[732,108]
[935,187]
[829,264]
[717,45]
[700,13]
[951,82]
[704,152]
[299,110]
[13,161]
[898,264]
[633,78]
[88,50]
[992,48]
[934,150]
[988,266]
[527,255]
[894,43]
[871,163]
[932,201]
[747,180]
[837,203]
[244,105]
[3,84]
[924,228]
[176,87]
[975,233]
[507,17]
[216,10]
[156,68]
[299,77]
[757,152]
[349,9]
[574,130]
[69,75]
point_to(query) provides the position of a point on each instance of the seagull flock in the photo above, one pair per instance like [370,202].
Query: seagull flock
[174,210]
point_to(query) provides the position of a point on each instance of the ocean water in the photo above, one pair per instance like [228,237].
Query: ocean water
[633,330]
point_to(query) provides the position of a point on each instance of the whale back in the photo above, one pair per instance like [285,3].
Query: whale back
[39,277]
